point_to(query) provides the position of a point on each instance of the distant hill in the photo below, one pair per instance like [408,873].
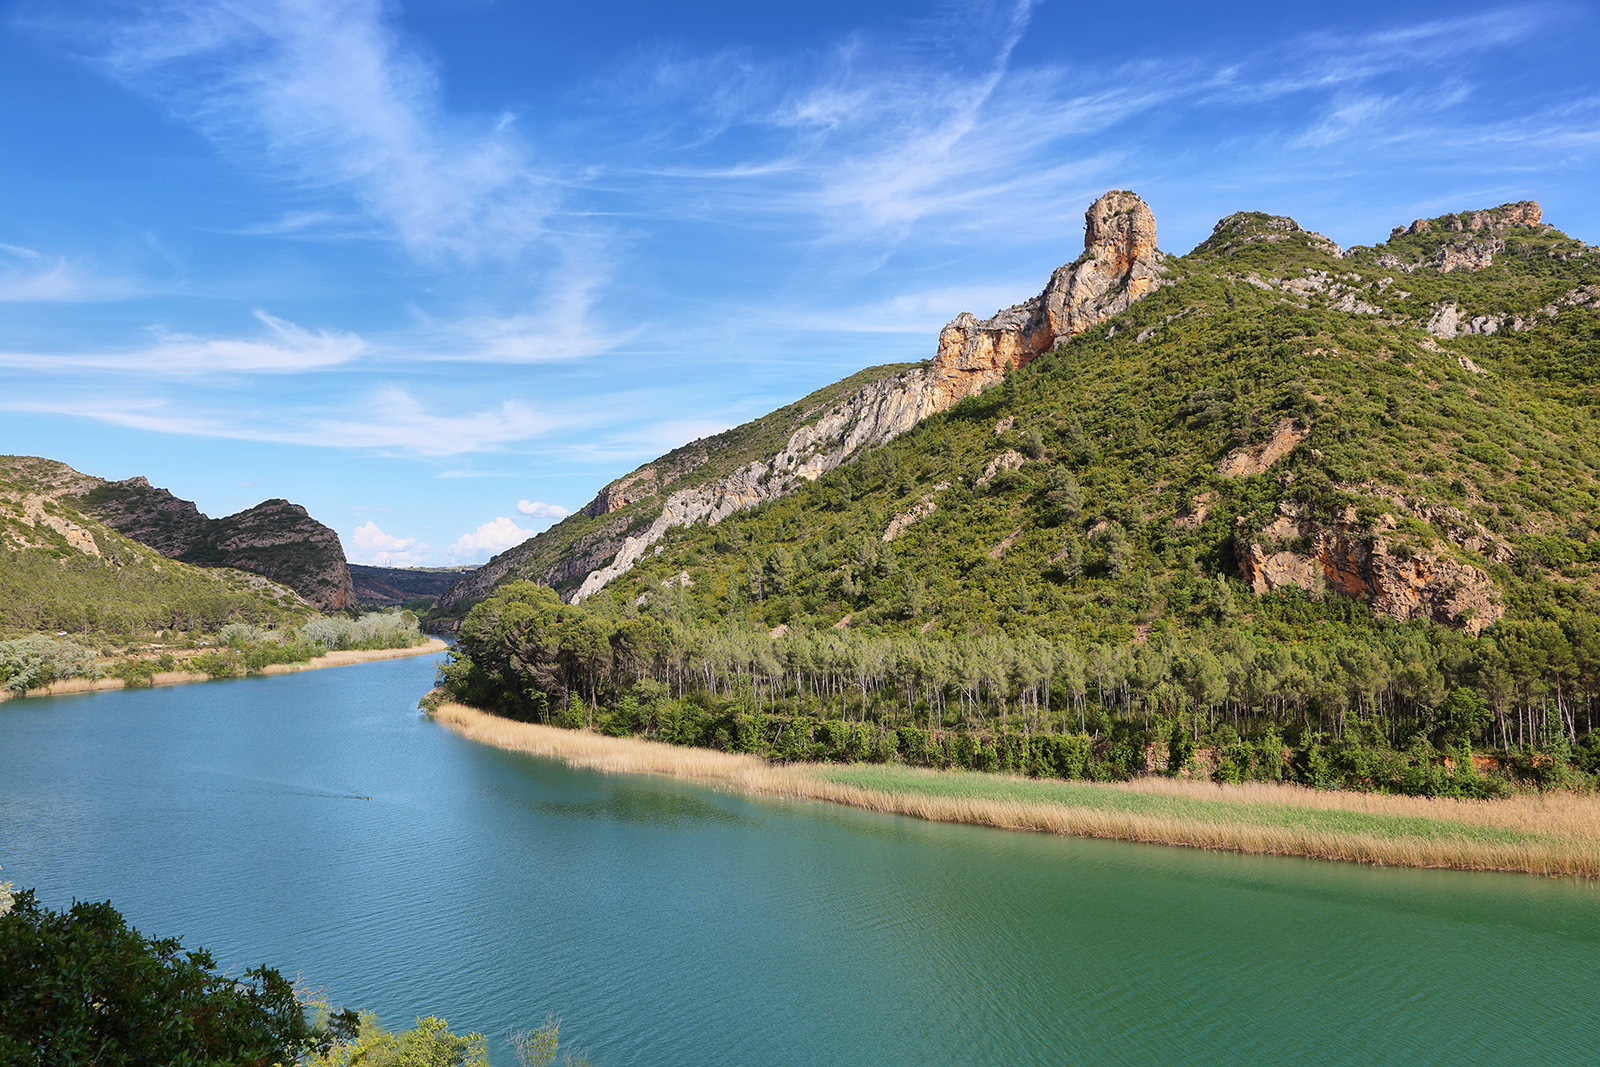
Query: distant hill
[63,569]
[274,538]
[393,586]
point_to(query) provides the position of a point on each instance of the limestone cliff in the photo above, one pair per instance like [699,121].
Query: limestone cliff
[1119,265]
[275,538]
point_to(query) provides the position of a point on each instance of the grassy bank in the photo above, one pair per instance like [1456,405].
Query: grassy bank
[183,677]
[1556,833]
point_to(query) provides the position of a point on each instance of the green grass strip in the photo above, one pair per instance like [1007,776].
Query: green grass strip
[972,785]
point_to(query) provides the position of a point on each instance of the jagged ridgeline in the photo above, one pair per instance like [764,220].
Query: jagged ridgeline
[1278,428]
[275,538]
[63,569]
[1404,431]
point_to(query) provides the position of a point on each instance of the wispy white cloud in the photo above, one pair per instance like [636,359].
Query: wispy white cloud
[1380,118]
[942,134]
[287,349]
[562,323]
[390,421]
[27,275]
[331,94]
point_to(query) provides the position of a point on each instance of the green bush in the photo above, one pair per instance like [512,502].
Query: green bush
[82,986]
[35,661]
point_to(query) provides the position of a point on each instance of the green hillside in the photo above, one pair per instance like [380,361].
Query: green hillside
[62,570]
[1292,496]
[561,556]
[1118,517]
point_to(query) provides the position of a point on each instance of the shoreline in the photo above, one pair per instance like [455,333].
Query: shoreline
[164,678]
[1550,834]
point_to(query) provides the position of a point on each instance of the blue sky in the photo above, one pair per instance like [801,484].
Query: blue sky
[439,270]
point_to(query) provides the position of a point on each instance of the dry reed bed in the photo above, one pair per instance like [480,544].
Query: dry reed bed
[1568,827]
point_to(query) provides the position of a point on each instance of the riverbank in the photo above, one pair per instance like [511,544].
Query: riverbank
[332,659]
[1556,833]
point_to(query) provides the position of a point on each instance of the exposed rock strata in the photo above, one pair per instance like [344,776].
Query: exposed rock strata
[1372,565]
[917,512]
[629,489]
[1243,462]
[1120,264]
[275,538]
[1009,460]
[37,511]
[1521,213]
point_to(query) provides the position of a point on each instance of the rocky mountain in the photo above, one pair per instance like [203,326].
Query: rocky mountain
[275,538]
[712,479]
[1269,428]
[64,569]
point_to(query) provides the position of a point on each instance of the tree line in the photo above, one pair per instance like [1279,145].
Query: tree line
[1520,690]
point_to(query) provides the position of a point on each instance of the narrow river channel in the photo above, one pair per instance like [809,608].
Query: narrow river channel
[319,823]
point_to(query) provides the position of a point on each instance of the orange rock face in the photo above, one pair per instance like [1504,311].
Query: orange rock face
[1398,583]
[1119,265]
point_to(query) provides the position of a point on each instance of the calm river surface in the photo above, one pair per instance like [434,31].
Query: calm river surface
[317,822]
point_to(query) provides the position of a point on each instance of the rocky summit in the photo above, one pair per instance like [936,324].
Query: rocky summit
[1119,265]
[275,538]
[1407,426]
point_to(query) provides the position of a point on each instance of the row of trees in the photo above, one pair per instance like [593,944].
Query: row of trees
[1521,687]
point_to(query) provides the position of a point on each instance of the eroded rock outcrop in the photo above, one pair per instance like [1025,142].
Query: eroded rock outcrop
[1243,462]
[1482,232]
[1521,213]
[275,538]
[1120,264]
[1373,565]
[629,489]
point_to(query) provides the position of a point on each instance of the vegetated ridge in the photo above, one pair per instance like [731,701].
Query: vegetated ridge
[274,538]
[63,569]
[1291,511]
[403,586]
[773,456]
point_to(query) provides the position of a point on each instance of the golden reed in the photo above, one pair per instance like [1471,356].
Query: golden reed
[1567,827]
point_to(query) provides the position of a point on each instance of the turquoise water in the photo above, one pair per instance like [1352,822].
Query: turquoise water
[317,822]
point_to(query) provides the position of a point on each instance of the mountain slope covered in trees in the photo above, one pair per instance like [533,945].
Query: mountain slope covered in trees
[1294,492]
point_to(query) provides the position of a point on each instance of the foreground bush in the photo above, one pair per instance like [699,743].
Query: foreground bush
[82,986]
